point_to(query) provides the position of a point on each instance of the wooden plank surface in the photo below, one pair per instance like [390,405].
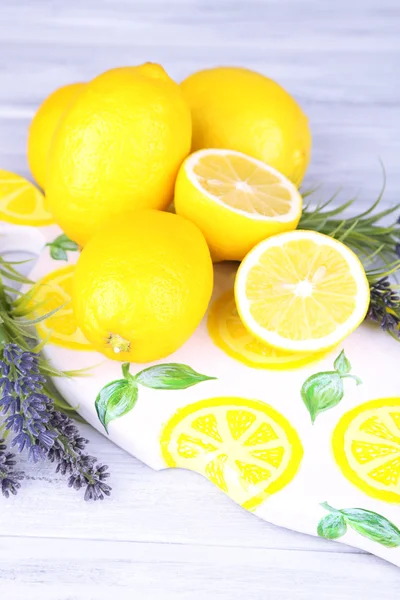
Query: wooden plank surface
[171,534]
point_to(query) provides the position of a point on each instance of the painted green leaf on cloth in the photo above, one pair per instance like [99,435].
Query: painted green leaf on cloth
[321,392]
[367,523]
[332,526]
[171,376]
[373,526]
[117,398]
[342,364]
[325,390]
[60,246]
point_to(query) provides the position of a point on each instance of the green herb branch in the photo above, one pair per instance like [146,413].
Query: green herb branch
[34,416]
[373,243]
[363,232]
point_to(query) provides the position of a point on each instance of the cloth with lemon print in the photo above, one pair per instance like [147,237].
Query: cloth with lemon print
[306,441]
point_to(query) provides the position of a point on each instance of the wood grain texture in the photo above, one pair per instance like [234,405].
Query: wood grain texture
[171,534]
[339,59]
[63,570]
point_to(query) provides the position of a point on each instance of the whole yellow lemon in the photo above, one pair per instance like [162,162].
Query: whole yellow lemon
[238,109]
[142,285]
[118,148]
[43,126]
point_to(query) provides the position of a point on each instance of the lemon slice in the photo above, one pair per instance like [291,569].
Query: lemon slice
[21,203]
[366,445]
[61,329]
[230,335]
[235,200]
[244,447]
[301,291]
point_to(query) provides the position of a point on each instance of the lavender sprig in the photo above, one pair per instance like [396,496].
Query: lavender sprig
[38,428]
[384,307]
[9,477]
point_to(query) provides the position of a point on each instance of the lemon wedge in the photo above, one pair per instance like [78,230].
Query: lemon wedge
[230,335]
[52,292]
[21,203]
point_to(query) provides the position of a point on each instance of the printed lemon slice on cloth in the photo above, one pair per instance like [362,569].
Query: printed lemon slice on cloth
[21,203]
[366,445]
[230,335]
[235,200]
[245,447]
[301,291]
[60,329]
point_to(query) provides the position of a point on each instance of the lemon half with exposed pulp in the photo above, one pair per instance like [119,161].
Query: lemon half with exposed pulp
[245,447]
[52,292]
[21,203]
[235,200]
[301,291]
[366,445]
[230,335]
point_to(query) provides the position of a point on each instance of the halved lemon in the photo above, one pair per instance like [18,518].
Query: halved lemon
[230,335]
[245,447]
[21,203]
[301,291]
[366,446]
[61,329]
[235,200]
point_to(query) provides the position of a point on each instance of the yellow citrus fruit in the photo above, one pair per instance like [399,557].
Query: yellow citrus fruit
[228,333]
[43,126]
[366,445]
[301,291]
[142,285]
[245,447]
[51,292]
[242,110]
[21,203]
[118,148]
[236,200]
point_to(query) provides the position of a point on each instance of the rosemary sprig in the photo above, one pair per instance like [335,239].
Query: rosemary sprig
[372,241]
[363,232]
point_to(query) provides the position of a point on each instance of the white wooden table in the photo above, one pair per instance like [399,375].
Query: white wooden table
[171,535]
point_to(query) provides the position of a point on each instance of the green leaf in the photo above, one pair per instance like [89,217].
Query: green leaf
[332,526]
[170,376]
[342,365]
[28,322]
[321,392]
[64,242]
[60,246]
[115,400]
[373,526]
[58,253]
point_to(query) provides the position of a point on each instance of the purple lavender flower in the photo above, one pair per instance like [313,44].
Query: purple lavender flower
[9,478]
[384,307]
[42,431]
